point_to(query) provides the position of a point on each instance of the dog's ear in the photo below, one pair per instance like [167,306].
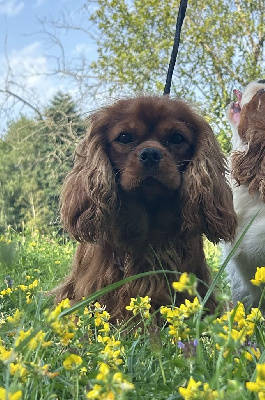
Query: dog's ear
[248,165]
[89,192]
[207,197]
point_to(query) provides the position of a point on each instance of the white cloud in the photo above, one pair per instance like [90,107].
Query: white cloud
[81,48]
[29,69]
[28,64]
[11,8]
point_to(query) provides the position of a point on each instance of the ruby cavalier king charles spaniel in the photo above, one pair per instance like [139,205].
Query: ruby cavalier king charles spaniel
[147,184]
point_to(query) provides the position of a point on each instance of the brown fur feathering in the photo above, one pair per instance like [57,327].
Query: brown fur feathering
[148,182]
[249,164]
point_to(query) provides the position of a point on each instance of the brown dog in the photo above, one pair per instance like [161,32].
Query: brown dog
[148,182]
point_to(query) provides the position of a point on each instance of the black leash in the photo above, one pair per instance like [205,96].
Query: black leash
[180,19]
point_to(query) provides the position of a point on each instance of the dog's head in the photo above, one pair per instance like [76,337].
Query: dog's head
[148,146]
[248,162]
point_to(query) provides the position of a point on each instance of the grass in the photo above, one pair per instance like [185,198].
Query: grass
[47,354]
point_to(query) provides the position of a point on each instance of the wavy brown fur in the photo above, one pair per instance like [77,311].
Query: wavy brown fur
[130,217]
[248,166]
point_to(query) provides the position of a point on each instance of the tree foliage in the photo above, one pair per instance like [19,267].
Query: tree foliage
[222,44]
[35,156]
[222,47]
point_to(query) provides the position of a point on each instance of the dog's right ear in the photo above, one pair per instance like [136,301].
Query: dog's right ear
[248,165]
[89,192]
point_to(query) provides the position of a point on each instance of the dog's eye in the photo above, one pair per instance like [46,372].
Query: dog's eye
[176,138]
[124,138]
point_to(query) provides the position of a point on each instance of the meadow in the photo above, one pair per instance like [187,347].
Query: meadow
[49,352]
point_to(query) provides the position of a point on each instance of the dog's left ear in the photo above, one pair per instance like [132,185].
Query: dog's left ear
[88,197]
[248,164]
[207,197]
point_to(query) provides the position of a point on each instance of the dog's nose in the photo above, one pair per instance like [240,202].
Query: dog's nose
[150,157]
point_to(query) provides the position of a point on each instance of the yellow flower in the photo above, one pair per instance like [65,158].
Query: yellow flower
[23,287]
[253,352]
[73,361]
[259,385]
[191,390]
[16,318]
[140,305]
[83,371]
[66,337]
[4,395]
[34,284]
[259,277]
[186,282]
[104,370]
[19,369]
[94,393]
[6,292]
[101,317]
[28,299]
[5,354]
[63,325]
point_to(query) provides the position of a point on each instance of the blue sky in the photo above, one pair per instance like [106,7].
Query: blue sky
[29,51]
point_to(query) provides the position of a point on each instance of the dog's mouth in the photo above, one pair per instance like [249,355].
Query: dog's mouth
[152,188]
[151,181]
[235,108]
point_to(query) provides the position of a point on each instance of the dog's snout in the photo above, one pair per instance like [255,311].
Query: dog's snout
[150,157]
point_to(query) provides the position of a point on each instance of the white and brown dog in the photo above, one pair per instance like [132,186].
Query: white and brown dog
[247,120]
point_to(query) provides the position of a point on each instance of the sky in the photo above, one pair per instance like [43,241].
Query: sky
[28,54]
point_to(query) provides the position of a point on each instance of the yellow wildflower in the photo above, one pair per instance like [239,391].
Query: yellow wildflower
[4,354]
[6,291]
[63,325]
[16,317]
[140,305]
[193,391]
[186,282]
[4,395]
[73,361]
[18,369]
[28,298]
[23,287]
[83,371]
[38,338]
[104,370]
[34,284]
[259,385]
[95,392]
[254,352]
[259,277]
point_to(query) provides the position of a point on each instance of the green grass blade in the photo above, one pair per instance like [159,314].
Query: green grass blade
[109,288]
[226,261]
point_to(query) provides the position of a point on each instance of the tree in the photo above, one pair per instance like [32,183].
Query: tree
[35,156]
[222,47]
[59,134]
[16,171]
